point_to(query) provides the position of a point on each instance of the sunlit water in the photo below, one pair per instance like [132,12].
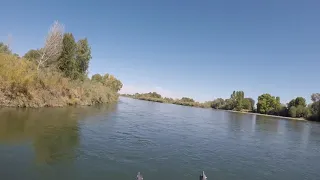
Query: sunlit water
[162,141]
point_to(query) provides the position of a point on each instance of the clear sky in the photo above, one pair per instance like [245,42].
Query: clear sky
[201,49]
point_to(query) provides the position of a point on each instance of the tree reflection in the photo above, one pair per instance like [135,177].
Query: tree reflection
[54,132]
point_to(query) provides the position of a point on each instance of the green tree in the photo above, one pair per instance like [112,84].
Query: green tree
[248,103]
[283,110]
[108,81]
[83,56]
[293,111]
[153,95]
[300,108]
[292,103]
[66,62]
[32,55]
[228,105]
[315,107]
[4,48]
[218,103]
[237,98]
[113,83]
[268,104]
[302,112]
[186,99]
[97,78]
[300,101]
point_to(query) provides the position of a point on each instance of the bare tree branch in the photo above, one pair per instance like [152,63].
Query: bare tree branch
[52,47]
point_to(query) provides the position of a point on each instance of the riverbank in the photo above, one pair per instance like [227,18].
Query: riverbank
[266,115]
[54,75]
[206,105]
[22,86]
[183,101]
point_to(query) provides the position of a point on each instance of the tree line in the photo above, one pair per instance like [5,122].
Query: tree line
[266,104]
[58,72]
[155,97]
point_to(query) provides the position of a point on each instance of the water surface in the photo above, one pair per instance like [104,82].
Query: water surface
[162,141]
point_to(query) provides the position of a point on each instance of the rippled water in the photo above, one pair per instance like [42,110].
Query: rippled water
[162,141]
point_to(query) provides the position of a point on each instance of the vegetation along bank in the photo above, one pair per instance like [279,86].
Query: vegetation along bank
[267,104]
[53,75]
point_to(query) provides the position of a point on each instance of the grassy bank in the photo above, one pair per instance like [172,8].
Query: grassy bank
[21,85]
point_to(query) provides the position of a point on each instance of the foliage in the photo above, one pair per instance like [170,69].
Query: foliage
[112,82]
[108,81]
[186,99]
[299,101]
[228,105]
[248,103]
[237,97]
[301,109]
[283,110]
[97,78]
[315,107]
[218,103]
[66,61]
[21,85]
[268,104]
[83,56]
[32,55]
[293,111]
[4,48]
[302,112]
[54,75]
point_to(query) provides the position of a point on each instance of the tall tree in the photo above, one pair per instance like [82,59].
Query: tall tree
[268,104]
[299,107]
[315,106]
[52,47]
[248,103]
[300,101]
[66,62]
[83,56]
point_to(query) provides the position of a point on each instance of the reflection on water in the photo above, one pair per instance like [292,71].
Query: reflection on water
[53,132]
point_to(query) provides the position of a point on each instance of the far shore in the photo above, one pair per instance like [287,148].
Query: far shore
[242,112]
[267,115]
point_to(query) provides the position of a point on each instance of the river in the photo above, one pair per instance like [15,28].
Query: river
[162,141]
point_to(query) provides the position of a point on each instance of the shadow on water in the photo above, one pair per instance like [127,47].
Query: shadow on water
[53,133]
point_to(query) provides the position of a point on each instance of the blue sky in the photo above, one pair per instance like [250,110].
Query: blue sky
[201,49]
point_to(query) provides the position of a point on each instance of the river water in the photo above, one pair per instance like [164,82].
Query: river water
[162,141]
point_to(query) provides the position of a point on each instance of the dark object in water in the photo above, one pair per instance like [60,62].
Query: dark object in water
[139,176]
[203,176]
